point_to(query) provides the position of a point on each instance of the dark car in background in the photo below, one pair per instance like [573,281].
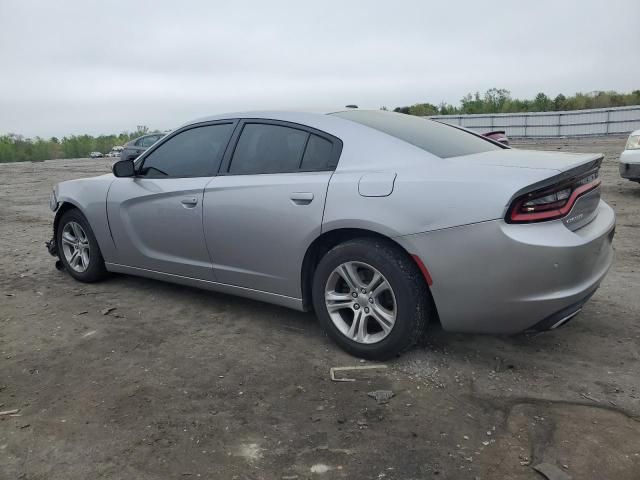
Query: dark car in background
[135,147]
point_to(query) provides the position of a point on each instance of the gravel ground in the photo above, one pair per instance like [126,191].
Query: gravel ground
[181,383]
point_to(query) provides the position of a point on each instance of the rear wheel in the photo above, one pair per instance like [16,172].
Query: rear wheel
[371,298]
[78,248]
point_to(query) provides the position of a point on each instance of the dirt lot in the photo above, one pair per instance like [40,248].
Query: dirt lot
[181,383]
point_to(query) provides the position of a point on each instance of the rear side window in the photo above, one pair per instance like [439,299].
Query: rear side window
[196,152]
[264,148]
[441,140]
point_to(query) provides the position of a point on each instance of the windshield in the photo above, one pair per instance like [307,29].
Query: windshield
[437,138]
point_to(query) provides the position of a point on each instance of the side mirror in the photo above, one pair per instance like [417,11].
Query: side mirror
[124,168]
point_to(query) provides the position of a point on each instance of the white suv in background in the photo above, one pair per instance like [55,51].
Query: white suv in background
[630,158]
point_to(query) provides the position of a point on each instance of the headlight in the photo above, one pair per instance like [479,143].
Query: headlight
[633,143]
[53,201]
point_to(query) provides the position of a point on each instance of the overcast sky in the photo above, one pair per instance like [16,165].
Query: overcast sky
[74,67]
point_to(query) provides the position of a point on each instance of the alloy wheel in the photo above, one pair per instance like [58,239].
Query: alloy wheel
[360,302]
[75,246]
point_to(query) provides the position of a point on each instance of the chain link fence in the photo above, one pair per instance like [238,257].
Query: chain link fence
[599,121]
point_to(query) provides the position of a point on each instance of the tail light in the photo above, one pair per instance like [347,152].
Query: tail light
[551,203]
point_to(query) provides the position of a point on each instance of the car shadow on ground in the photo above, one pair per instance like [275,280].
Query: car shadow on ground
[484,348]
[265,314]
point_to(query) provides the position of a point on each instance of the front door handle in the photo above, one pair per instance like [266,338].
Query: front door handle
[189,202]
[301,198]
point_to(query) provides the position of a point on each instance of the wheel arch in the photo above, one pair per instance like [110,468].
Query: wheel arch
[65,206]
[329,239]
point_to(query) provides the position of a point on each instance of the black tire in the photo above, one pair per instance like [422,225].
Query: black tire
[413,299]
[96,270]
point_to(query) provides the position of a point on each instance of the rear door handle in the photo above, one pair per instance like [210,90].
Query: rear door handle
[302,198]
[189,202]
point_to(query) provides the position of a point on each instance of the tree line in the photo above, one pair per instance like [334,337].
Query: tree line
[17,148]
[499,100]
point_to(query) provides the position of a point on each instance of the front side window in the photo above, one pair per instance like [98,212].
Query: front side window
[266,148]
[196,152]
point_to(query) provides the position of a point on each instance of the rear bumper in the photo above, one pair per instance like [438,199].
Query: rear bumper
[630,171]
[493,277]
[562,317]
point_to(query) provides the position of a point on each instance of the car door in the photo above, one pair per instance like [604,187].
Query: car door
[265,207]
[156,216]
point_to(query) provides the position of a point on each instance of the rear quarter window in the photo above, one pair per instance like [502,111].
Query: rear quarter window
[317,155]
[441,140]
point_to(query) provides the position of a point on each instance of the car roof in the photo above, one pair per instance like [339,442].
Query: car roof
[272,114]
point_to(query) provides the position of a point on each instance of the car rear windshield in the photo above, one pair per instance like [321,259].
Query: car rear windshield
[441,140]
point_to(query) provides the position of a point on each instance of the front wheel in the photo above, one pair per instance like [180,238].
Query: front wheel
[78,248]
[371,298]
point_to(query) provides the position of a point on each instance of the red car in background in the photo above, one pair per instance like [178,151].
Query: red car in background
[499,136]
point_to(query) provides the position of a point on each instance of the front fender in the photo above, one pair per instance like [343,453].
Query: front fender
[89,195]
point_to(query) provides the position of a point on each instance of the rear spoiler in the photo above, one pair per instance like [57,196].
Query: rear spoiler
[490,140]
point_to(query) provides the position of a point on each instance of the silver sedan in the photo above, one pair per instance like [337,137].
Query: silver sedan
[380,222]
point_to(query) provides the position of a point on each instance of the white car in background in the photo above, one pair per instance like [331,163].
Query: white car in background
[115,152]
[630,158]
